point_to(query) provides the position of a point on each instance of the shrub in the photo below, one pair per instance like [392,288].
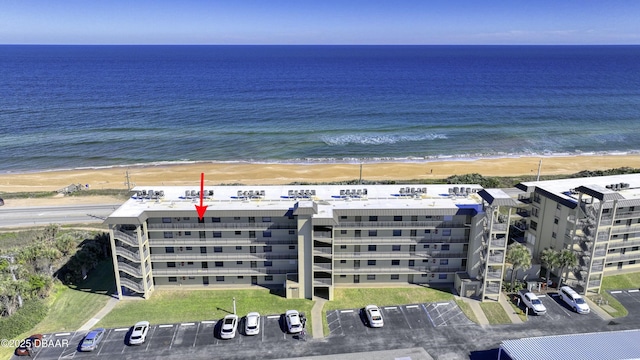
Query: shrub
[28,316]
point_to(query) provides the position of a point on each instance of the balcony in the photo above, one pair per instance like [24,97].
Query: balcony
[322,282]
[222,226]
[397,240]
[496,259]
[131,255]
[494,275]
[379,270]
[211,241]
[135,286]
[193,256]
[131,270]
[594,283]
[498,243]
[318,266]
[257,271]
[499,227]
[619,243]
[625,229]
[401,225]
[446,269]
[322,251]
[612,257]
[129,239]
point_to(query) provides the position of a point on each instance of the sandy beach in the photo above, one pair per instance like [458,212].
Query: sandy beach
[271,174]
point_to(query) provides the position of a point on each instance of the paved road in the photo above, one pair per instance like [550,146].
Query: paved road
[78,214]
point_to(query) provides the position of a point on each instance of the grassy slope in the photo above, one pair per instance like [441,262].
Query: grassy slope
[495,313]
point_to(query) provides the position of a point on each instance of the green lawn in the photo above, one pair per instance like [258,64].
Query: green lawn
[355,298]
[621,282]
[495,313]
[174,306]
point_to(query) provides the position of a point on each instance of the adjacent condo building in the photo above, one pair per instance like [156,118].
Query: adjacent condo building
[308,240]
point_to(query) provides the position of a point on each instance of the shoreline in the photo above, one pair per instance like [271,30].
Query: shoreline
[247,173]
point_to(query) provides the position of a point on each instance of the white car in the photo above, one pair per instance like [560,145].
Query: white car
[294,325]
[252,324]
[533,302]
[229,326]
[139,333]
[574,300]
[374,316]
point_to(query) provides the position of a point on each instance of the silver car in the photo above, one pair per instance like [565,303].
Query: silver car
[229,326]
[92,340]
[139,333]
[252,323]
[294,325]
[374,316]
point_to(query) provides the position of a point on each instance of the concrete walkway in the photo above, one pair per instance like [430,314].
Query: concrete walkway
[99,315]
[477,310]
[316,317]
[513,316]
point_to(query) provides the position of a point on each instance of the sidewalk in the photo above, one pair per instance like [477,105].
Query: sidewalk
[316,318]
[513,316]
[99,315]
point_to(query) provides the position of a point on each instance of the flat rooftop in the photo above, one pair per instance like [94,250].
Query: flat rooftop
[283,197]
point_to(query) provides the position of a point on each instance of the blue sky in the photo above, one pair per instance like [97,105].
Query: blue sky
[319,22]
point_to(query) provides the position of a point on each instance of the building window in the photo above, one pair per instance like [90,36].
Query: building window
[397,218]
[555,220]
[444,247]
[219,278]
[238,232]
[371,277]
[266,234]
[173,279]
[189,262]
[267,249]
[203,249]
[171,264]
[534,225]
[373,247]
[395,277]
[558,206]
[373,218]
[166,220]
[266,219]
[187,233]
[342,217]
[414,217]
[534,211]
[292,232]
[343,261]
[236,218]
[343,232]
[425,246]
[169,250]
[292,247]
[427,231]
[373,232]
[268,278]
[219,264]
[240,277]
[343,276]
[444,261]
[238,247]
[358,218]
[442,276]
[217,249]
[395,262]
[343,246]
[635,248]
[252,234]
[168,235]
[446,232]
[397,232]
[395,247]
[189,248]
[238,262]
[412,262]
[217,234]
[371,262]
[268,263]
[553,235]
[215,219]
[413,232]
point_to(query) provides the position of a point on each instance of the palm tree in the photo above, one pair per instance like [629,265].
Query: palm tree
[519,258]
[549,258]
[567,260]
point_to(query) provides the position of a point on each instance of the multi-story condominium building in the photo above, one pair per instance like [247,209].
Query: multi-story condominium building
[596,217]
[307,240]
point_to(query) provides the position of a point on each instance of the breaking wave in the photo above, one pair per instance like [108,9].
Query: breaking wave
[362,139]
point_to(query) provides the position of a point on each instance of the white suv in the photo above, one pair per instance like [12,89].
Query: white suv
[574,300]
[532,302]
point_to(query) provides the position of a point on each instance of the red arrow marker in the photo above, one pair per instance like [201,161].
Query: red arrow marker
[202,208]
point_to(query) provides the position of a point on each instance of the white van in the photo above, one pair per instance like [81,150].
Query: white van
[574,300]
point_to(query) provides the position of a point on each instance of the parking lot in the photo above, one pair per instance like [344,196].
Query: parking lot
[630,299]
[161,339]
[352,322]
[557,311]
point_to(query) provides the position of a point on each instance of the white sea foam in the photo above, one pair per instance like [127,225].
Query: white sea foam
[364,139]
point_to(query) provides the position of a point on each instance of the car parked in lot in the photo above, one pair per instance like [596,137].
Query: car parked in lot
[292,318]
[92,340]
[574,300]
[139,333]
[374,316]
[229,326]
[533,302]
[28,344]
[252,324]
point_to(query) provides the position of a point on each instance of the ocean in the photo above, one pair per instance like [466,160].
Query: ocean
[64,107]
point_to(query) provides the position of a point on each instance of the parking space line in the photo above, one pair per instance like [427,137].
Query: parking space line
[553,300]
[346,311]
[273,317]
[439,304]
[149,343]
[411,306]
[208,322]
[391,308]
[262,327]
[405,318]
[175,331]
[542,296]
[121,329]
[633,291]
[187,324]
[165,326]
[103,342]
[428,315]
[196,337]
[63,334]
[616,292]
